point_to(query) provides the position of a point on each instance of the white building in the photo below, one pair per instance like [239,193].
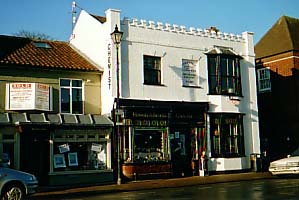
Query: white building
[191,87]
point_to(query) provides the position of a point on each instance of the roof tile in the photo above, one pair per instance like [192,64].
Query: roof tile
[283,36]
[22,51]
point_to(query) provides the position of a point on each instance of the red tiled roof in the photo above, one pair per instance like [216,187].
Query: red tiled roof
[283,36]
[60,55]
[100,18]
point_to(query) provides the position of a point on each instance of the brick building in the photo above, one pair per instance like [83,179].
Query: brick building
[277,64]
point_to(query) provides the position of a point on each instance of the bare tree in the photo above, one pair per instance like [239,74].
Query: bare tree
[33,35]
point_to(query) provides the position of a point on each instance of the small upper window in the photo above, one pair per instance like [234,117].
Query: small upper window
[152,70]
[71,96]
[43,45]
[264,82]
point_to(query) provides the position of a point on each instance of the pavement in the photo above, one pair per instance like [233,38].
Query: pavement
[152,184]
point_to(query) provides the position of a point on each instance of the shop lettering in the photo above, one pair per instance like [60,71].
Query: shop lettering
[149,115]
[21,85]
[183,116]
[149,123]
[43,87]
[109,66]
[226,121]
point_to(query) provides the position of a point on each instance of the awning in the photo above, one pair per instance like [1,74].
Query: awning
[55,119]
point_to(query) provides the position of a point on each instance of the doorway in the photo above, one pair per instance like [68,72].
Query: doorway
[181,156]
[34,154]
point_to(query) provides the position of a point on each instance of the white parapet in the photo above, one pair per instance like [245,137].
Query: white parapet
[180,29]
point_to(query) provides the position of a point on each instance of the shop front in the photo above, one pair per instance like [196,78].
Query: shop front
[161,138]
[61,149]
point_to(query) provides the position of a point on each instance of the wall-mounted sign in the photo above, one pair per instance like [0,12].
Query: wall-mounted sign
[109,66]
[28,96]
[190,73]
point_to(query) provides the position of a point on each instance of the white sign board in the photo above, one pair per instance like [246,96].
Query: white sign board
[190,73]
[96,147]
[28,96]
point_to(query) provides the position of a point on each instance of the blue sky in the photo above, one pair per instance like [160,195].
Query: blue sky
[53,17]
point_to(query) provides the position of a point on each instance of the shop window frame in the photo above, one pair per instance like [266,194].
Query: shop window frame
[227,135]
[130,150]
[64,139]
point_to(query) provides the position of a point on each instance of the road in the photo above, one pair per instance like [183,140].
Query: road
[272,189]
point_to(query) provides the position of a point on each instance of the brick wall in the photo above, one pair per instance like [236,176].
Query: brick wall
[282,64]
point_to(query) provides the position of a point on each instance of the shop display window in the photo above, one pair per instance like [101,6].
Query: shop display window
[79,156]
[227,135]
[150,146]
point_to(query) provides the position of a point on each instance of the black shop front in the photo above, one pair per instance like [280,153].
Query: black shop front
[161,138]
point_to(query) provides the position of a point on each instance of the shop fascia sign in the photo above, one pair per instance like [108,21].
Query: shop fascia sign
[28,96]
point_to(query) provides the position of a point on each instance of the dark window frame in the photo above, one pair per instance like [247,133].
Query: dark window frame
[224,75]
[227,135]
[152,70]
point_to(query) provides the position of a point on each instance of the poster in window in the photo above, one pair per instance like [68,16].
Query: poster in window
[102,157]
[64,148]
[59,161]
[96,147]
[190,73]
[73,159]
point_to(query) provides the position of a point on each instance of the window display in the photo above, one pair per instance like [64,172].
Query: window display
[79,156]
[149,146]
[227,135]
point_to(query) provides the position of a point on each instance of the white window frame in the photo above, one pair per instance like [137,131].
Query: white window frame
[264,80]
[70,88]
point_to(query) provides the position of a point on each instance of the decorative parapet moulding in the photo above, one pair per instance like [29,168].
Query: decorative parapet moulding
[211,33]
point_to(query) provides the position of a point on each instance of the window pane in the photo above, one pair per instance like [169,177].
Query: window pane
[223,64]
[65,82]
[152,70]
[77,103]
[212,65]
[65,100]
[213,85]
[148,146]
[76,83]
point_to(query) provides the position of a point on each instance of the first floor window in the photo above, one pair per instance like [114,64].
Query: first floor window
[264,82]
[152,70]
[224,75]
[71,96]
[226,131]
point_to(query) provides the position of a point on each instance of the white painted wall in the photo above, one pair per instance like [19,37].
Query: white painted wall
[173,43]
[93,39]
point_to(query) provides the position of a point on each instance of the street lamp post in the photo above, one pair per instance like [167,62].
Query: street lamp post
[116,36]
